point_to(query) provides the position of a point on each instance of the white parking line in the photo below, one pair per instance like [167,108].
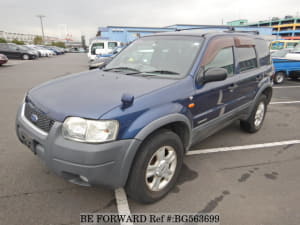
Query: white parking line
[287,87]
[243,147]
[122,204]
[285,102]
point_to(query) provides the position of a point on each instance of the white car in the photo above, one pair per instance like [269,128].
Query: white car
[40,51]
[102,47]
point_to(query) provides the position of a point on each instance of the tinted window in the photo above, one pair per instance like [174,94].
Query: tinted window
[223,59]
[247,58]
[263,52]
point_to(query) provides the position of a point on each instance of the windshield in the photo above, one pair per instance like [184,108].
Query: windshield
[158,56]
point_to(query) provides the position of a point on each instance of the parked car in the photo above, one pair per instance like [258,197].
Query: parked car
[277,45]
[25,47]
[77,50]
[13,51]
[3,59]
[103,46]
[41,51]
[48,52]
[132,123]
[53,49]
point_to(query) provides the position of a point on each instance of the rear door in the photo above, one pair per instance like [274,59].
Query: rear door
[249,73]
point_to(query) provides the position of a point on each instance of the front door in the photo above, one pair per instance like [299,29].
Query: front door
[211,99]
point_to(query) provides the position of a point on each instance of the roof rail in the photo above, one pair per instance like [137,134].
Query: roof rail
[229,28]
[248,31]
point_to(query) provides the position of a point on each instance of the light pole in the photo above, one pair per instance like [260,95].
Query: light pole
[41,19]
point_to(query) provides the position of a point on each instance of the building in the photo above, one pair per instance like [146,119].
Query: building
[126,34]
[27,38]
[286,28]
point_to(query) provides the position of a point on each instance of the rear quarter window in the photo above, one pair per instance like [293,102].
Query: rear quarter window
[263,52]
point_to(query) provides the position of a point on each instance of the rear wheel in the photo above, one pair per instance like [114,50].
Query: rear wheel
[25,57]
[156,167]
[256,119]
[279,77]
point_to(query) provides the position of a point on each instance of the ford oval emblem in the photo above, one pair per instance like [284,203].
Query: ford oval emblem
[34,118]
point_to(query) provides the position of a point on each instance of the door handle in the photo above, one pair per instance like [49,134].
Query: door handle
[232,87]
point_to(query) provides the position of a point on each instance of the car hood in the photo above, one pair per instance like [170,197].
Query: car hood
[90,94]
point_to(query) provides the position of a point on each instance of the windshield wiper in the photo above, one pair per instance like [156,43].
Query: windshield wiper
[122,68]
[162,72]
[148,73]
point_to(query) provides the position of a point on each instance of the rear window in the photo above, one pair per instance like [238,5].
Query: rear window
[263,52]
[247,58]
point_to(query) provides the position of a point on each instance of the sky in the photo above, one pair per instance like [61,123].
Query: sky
[83,17]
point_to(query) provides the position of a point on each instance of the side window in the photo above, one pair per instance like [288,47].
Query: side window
[247,58]
[223,59]
[263,52]
[99,45]
[112,45]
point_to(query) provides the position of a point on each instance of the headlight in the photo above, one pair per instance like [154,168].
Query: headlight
[92,131]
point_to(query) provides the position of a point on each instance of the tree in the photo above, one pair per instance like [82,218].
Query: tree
[2,40]
[59,44]
[18,42]
[38,40]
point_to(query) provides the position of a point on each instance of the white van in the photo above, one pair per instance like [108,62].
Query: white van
[102,46]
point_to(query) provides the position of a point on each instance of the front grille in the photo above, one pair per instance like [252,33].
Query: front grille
[37,117]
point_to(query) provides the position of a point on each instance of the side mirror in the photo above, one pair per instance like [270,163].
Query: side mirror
[215,74]
[98,51]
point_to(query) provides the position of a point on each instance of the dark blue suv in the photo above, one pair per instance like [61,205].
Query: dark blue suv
[130,124]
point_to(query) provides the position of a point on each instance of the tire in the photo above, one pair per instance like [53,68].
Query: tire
[147,168]
[279,77]
[25,57]
[256,119]
[294,77]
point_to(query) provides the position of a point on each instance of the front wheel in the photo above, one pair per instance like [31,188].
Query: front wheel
[156,167]
[256,119]
[25,57]
[279,77]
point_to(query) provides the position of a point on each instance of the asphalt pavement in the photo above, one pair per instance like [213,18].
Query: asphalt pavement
[254,185]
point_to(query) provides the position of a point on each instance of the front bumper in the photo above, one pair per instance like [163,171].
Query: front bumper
[106,164]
